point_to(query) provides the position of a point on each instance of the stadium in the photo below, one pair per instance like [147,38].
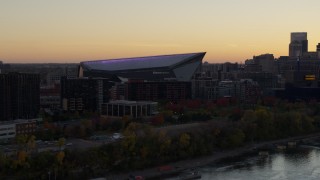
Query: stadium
[176,67]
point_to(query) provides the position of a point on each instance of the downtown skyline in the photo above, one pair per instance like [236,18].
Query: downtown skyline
[37,31]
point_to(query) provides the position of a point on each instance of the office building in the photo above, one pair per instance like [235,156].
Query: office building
[205,88]
[11,129]
[219,71]
[318,50]
[227,89]
[7,131]
[19,96]
[53,75]
[84,94]
[298,44]
[1,66]
[249,91]
[266,81]
[295,71]
[4,68]
[50,97]
[266,62]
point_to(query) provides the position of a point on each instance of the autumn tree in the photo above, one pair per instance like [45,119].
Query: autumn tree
[158,120]
[60,156]
[184,143]
[61,142]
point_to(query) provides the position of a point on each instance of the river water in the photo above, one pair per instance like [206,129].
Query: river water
[302,163]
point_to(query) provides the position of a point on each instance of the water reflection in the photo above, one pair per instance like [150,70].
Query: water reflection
[293,164]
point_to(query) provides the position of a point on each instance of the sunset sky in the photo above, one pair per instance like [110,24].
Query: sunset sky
[76,30]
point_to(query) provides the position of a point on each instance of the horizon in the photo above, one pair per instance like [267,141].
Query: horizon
[77,30]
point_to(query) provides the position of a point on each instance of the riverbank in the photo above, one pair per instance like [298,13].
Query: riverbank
[153,173]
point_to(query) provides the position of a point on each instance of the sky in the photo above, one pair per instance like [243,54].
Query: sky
[67,31]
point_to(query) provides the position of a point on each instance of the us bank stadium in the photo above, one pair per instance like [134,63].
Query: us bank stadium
[176,67]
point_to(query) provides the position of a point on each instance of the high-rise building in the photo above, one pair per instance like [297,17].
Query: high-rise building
[19,96]
[318,50]
[205,88]
[266,61]
[1,65]
[84,94]
[298,44]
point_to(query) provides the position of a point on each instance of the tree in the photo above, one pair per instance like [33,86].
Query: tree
[22,141]
[235,138]
[130,139]
[61,142]
[88,125]
[22,156]
[60,156]
[236,114]
[126,119]
[184,143]
[184,140]
[158,119]
[222,102]
[265,126]
[164,141]
[307,124]
[31,142]
[248,124]
[117,125]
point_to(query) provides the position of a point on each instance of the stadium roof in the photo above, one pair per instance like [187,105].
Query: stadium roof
[140,62]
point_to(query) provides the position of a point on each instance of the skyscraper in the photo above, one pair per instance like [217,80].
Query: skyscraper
[1,64]
[298,44]
[19,96]
[84,94]
[318,50]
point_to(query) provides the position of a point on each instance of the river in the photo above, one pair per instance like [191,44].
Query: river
[302,163]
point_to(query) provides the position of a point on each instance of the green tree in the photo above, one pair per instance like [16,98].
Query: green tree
[265,127]
[235,138]
[249,126]
[130,139]
[164,143]
[22,141]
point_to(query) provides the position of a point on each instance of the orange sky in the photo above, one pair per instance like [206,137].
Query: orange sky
[76,30]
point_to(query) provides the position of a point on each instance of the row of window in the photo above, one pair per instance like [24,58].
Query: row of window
[5,129]
[6,134]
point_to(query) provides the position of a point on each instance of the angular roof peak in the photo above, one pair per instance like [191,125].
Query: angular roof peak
[140,62]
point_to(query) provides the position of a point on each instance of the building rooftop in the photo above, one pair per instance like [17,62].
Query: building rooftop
[140,62]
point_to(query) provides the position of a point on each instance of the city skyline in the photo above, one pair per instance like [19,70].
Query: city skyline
[69,32]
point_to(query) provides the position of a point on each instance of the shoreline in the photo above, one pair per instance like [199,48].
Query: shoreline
[154,173]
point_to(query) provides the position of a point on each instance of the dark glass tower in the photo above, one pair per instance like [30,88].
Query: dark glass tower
[84,94]
[298,44]
[19,96]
